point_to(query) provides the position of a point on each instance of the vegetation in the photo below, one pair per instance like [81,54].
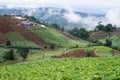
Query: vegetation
[51,36]
[64,69]
[2,53]
[108,28]
[9,55]
[25,44]
[81,33]
[14,36]
[23,52]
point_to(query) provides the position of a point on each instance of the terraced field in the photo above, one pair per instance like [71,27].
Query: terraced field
[51,36]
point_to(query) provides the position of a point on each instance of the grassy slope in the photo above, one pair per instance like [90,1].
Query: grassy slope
[115,41]
[14,36]
[18,40]
[101,51]
[64,69]
[52,36]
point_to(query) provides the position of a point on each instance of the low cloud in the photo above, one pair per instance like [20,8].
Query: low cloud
[89,22]
[71,16]
[111,16]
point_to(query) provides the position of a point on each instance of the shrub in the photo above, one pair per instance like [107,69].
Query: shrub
[8,43]
[88,53]
[24,53]
[52,46]
[9,55]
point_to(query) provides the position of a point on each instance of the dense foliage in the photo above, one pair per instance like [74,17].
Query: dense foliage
[108,28]
[81,33]
[64,69]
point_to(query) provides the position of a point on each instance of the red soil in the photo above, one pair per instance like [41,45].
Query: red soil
[8,24]
[76,53]
[2,38]
[103,34]
[30,36]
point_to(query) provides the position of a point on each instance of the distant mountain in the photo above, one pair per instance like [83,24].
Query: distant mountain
[62,17]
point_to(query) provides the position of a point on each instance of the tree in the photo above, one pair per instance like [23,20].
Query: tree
[108,28]
[8,43]
[56,26]
[63,28]
[83,33]
[52,46]
[9,55]
[99,27]
[23,52]
[108,42]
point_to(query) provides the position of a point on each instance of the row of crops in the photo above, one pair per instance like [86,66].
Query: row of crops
[103,68]
[52,36]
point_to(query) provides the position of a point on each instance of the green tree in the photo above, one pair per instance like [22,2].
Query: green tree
[8,43]
[56,26]
[83,33]
[24,53]
[9,55]
[108,42]
[63,28]
[99,27]
[108,28]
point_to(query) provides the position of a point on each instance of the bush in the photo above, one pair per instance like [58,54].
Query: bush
[8,43]
[9,55]
[24,53]
[88,53]
[52,46]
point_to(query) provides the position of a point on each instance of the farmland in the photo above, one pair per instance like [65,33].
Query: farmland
[64,69]
[14,36]
[52,36]
[73,64]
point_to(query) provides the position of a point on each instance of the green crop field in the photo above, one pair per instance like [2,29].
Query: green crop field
[105,68]
[52,36]
[24,44]
[14,36]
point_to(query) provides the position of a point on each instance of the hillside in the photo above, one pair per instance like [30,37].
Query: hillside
[52,36]
[11,31]
[52,15]
[103,34]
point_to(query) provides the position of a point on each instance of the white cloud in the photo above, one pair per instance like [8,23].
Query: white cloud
[111,16]
[60,3]
[71,16]
[112,7]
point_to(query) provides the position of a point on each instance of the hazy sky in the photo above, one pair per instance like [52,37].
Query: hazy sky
[75,4]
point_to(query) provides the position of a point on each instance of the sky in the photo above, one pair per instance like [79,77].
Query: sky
[85,5]
[110,8]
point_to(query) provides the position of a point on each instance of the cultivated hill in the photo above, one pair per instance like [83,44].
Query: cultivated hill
[10,29]
[103,34]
